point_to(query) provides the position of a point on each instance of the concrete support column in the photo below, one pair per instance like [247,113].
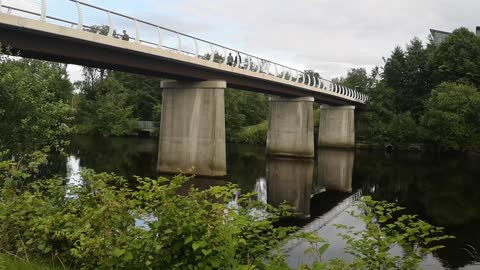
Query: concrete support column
[290,127]
[192,129]
[337,127]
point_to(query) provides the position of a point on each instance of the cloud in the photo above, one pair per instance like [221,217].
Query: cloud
[320,34]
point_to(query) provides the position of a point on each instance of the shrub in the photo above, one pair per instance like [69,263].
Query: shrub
[452,118]
[96,226]
[256,134]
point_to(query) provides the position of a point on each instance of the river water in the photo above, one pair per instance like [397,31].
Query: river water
[441,189]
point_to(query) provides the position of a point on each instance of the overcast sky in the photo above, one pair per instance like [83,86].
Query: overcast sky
[330,36]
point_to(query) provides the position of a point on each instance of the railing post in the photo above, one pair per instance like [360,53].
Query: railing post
[259,65]
[137,32]
[196,47]
[0,6]
[110,24]
[179,49]
[80,16]
[212,53]
[159,38]
[43,16]
[225,57]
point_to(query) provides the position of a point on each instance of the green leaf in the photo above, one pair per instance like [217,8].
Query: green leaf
[117,252]
[188,239]
[198,244]
[206,251]
[127,257]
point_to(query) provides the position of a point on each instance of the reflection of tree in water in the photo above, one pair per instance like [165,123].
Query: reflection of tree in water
[124,156]
[245,164]
[441,189]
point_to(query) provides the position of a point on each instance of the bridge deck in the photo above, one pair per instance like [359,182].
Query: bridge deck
[42,40]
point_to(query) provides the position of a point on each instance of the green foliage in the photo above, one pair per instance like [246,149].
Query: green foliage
[93,226]
[403,108]
[34,105]
[385,229]
[379,114]
[409,75]
[457,58]
[244,111]
[104,109]
[452,119]
[16,263]
[404,129]
[256,134]
[358,79]
[144,94]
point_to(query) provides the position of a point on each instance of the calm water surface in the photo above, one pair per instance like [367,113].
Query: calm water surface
[441,189]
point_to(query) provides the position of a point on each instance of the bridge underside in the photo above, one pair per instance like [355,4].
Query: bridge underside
[39,40]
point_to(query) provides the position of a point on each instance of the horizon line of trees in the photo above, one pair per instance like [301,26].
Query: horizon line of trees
[424,93]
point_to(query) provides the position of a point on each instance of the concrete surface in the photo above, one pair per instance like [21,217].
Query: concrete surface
[192,128]
[337,127]
[290,127]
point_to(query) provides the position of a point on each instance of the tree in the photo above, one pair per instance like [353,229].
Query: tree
[243,109]
[452,118]
[457,58]
[35,107]
[417,83]
[105,110]
[394,69]
[379,114]
[144,94]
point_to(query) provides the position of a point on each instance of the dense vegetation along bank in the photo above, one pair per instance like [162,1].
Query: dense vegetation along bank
[94,225]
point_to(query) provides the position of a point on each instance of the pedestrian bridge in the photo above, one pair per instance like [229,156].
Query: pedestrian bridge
[192,131]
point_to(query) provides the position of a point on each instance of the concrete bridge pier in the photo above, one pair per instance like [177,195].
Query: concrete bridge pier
[290,127]
[337,127]
[192,128]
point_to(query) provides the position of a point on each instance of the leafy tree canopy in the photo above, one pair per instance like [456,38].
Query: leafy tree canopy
[35,109]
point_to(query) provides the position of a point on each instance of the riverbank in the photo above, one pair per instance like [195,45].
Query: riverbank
[12,263]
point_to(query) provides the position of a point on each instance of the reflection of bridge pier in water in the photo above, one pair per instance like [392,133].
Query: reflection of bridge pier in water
[335,169]
[290,180]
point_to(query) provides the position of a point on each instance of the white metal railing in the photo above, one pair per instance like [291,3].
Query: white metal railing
[212,52]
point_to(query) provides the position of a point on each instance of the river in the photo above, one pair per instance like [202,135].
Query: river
[441,189]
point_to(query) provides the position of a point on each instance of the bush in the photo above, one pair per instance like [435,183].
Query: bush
[96,226]
[256,134]
[452,119]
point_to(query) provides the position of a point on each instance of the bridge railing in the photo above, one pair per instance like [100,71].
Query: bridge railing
[87,17]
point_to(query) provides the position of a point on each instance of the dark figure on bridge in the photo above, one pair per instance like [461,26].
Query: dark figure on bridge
[238,59]
[230,59]
[125,36]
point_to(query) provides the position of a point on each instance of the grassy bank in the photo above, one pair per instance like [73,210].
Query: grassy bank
[8,262]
